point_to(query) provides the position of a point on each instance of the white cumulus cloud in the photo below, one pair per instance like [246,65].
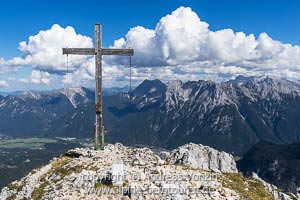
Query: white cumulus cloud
[37,77]
[3,83]
[181,39]
[43,51]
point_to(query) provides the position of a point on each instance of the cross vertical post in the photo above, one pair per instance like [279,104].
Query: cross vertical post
[98,51]
[99,129]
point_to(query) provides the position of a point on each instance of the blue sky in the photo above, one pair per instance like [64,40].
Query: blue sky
[21,19]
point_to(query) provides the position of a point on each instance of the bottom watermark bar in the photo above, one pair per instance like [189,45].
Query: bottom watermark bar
[114,190]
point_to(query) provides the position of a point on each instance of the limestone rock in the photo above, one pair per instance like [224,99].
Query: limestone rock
[203,157]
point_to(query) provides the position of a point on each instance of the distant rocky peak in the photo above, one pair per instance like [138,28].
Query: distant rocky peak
[205,95]
[266,86]
[241,80]
[257,79]
[30,95]
[174,84]
[76,95]
[272,87]
[73,90]
[269,79]
[150,86]
[176,93]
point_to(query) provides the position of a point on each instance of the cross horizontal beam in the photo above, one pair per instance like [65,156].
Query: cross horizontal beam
[120,52]
[92,51]
[79,51]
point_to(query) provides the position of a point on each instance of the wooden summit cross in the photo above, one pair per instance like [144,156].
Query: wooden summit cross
[98,51]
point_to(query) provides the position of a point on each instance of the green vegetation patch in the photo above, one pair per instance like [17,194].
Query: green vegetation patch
[30,143]
[17,188]
[99,185]
[247,188]
[39,192]
[59,167]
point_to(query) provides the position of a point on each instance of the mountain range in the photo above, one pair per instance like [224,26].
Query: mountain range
[230,116]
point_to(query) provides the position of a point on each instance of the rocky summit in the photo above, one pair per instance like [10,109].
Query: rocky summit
[191,171]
